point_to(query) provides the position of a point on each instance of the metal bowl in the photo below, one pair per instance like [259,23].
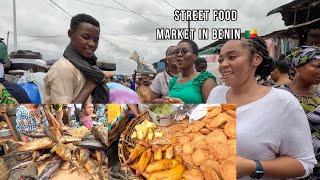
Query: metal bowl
[162,120]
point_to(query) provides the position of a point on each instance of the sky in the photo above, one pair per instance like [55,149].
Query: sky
[126,25]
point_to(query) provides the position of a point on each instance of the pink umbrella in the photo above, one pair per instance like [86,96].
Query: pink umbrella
[122,94]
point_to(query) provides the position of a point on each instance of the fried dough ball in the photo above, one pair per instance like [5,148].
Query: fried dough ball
[187,148]
[228,107]
[216,136]
[213,112]
[228,170]
[197,126]
[230,129]
[232,143]
[199,157]
[187,160]
[183,139]
[193,174]
[205,131]
[219,150]
[232,113]
[219,120]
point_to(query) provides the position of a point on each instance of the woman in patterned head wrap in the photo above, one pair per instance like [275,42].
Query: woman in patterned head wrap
[305,71]
[304,66]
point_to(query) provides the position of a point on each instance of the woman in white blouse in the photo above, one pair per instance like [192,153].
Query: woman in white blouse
[273,135]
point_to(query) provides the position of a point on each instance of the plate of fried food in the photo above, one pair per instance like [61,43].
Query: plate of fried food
[190,150]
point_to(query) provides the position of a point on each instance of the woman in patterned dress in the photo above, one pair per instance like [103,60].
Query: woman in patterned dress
[305,72]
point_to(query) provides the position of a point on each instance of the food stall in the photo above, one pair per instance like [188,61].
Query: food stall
[179,142]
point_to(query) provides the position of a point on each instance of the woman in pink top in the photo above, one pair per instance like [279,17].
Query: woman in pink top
[86,117]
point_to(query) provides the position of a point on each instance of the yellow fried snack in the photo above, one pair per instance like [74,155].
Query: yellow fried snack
[191,134]
[205,131]
[210,165]
[178,159]
[151,159]
[187,148]
[219,120]
[232,143]
[165,147]
[144,161]
[232,113]
[157,154]
[135,153]
[175,173]
[146,175]
[164,164]
[173,140]
[193,174]
[228,170]
[134,165]
[188,129]
[219,150]
[197,126]
[210,174]
[199,157]
[212,156]
[187,159]
[230,129]
[184,139]
[169,152]
[198,137]
[200,145]
[228,107]
[179,134]
[211,170]
[213,112]
[216,136]
[231,158]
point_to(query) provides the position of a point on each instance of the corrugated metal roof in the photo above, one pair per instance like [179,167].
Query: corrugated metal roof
[292,5]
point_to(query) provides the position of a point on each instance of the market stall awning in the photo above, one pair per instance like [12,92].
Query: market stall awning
[298,11]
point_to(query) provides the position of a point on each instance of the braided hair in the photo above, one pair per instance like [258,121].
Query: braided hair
[193,45]
[258,45]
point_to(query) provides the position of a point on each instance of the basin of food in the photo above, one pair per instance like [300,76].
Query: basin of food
[162,114]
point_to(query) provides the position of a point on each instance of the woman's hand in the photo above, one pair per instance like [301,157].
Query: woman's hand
[170,100]
[245,167]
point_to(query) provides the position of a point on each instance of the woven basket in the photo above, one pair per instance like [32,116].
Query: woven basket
[118,128]
[126,142]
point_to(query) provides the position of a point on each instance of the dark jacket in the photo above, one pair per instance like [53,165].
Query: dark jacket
[16,91]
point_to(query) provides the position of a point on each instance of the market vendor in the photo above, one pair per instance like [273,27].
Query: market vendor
[160,83]
[190,87]
[87,115]
[75,78]
[29,119]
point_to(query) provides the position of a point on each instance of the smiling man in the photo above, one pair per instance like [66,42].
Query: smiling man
[75,78]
